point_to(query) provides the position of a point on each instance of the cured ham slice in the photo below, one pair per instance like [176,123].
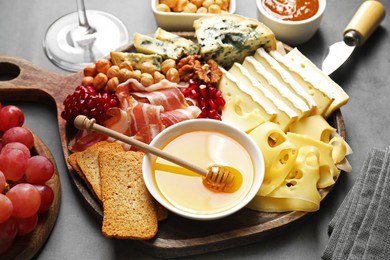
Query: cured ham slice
[143,113]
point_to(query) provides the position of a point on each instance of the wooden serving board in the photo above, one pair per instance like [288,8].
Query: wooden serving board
[25,247]
[177,236]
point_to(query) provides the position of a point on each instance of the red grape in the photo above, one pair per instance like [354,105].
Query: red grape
[2,182]
[19,134]
[26,200]
[19,146]
[39,170]
[47,197]
[26,225]
[6,208]
[10,116]
[8,230]
[13,163]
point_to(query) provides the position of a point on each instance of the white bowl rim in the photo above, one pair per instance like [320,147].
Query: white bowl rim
[320,12]
[232,9]
[258,179]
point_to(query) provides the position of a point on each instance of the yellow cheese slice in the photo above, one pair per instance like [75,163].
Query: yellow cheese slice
[328,169]
[340,97]
[314,126]
[279,155]
[284,116]
[285,78]
[322,96]
[259,72]
[299,189]
[241,109]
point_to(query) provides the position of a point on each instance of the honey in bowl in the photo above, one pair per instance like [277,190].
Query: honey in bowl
[185,190]
[291,10]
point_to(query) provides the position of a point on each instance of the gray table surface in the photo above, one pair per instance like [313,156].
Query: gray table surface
[365,77]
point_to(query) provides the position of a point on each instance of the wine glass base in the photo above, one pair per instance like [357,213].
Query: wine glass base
[69,47]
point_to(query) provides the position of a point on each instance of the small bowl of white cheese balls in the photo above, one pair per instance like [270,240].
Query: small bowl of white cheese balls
[179,15]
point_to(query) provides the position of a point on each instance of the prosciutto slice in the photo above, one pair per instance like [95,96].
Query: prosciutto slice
[143,113]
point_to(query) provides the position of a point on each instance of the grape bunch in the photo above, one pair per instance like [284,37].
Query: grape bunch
[23,177]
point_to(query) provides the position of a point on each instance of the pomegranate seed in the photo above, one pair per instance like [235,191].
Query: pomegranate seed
[203,90]
[212,113]
[220,101]
[212,104]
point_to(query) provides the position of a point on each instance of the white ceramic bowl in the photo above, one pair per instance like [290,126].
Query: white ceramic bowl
[291,32]
[241,137]
[174,21]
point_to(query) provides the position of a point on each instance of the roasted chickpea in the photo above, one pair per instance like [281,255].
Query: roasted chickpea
[100,80]
[87,81]
[146,79]
[148,67]
[214,9]
[198,3]
[202,10]
[169,3]
[124,74]
[113,71]
[103,65]
[112,84]
[190,8]
[173,75]
[224,4]
[90,70]
[158,76]
[167,64]
[126,65]
[179,7]
[207,3]
[163,8]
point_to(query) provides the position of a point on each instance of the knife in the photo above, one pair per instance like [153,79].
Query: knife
[366,19]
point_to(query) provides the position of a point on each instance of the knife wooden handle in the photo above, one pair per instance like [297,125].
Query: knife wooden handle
[367,18]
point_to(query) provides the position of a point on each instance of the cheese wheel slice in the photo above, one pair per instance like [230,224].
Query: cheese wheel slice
[285,116]
[285,78]
[319,78]
[299,189]
[259,72]
[279,155]
[322,96]
[243,109]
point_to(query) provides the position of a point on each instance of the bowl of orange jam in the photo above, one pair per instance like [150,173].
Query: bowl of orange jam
[293,21]
[203,142]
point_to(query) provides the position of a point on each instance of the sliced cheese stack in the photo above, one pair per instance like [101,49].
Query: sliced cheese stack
[297,164]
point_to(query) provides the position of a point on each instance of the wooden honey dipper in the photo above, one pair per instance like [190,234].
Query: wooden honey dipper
[217,178]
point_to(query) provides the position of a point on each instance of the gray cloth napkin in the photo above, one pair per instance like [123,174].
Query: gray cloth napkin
[356,229]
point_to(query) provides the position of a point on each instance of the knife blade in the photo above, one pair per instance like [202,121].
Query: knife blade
[366,19]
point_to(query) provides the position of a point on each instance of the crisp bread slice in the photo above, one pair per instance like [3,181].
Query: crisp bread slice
[89,165]
[129,210]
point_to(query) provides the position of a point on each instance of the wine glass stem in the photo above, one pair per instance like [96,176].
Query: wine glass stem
[83,20]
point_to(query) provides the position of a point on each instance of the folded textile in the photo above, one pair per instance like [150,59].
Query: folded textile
[362,212]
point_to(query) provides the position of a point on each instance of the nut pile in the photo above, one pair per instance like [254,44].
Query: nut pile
[194,6]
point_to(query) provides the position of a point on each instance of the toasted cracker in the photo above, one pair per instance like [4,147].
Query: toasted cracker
[89,165]
[129,209]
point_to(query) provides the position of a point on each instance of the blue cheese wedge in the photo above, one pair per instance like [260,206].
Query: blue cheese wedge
[230,38]
[189,47]
[149,45]
[136,59]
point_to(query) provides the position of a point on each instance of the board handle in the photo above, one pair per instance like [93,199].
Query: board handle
[367,18]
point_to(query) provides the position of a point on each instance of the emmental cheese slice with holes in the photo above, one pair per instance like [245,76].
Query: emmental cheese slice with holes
[328,169]
[285,116]
[299,190]
[229,38]
[285,78]
[265,78]
[320,78]
[322,95]
[243,109]
[279,155]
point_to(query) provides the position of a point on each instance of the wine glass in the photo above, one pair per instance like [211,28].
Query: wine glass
[80,38]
